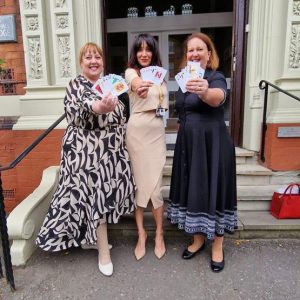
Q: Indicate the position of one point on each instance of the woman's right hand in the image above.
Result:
(105, 105)
(143, 88)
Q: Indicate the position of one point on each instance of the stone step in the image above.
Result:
(247, 174)
(243, 156)
(244, 193)
(251, 224)
(250, 198)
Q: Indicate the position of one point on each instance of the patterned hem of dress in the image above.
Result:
(203, 223)
(50, 239)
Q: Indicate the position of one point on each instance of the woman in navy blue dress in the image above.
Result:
(203, 184)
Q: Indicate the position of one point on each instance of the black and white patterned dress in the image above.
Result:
(95, 179)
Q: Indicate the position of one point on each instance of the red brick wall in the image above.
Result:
(13, 53)
(281, 154)
(26, 176)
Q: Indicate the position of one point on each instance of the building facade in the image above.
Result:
(256, 40)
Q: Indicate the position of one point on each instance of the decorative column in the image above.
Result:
(52, 40)
(48, 36)
(61, 15)
(35, 45)
(261, 22)
(273, 55)
(88, 26)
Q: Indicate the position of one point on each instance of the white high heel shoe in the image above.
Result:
(107, 269)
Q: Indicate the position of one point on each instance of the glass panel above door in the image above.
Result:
(122, 9)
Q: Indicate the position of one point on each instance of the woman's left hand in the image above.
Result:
(197, 86)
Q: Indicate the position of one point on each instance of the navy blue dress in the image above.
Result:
(203, 183)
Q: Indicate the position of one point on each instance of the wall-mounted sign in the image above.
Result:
(288, 131)
(8, 28)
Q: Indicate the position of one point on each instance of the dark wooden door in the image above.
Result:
(238, 70)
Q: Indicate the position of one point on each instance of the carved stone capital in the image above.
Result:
(296, 7)
(60, 3)
(32, 23)
(62, 21)
(30, 4)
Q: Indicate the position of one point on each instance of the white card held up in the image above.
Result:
(154, 74)
(181, 79)
(195, 70)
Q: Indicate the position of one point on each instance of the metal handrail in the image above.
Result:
(264, 85)
(3, 224)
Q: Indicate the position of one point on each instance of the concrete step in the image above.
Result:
(243, 156)
(247, 174)
(255, 198)
(250, 198)
(251, 224)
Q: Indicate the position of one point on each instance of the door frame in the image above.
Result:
(239, 46)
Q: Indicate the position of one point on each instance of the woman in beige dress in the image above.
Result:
(145, 139)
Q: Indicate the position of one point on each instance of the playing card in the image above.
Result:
(146, 73)
(154, 74)
(111, 83)
(182, 79)
(119, 85)
(195, 70)
(98, 89)
(158, 74)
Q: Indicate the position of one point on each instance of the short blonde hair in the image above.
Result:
(93, 47)
(213, 62)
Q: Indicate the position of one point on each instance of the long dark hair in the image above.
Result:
(136, 46)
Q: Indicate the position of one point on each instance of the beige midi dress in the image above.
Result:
(145, 140)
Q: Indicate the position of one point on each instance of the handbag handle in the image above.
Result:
(289, 188)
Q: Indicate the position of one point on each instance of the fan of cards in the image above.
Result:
(154, 74)
(112, 83)
(191, 71)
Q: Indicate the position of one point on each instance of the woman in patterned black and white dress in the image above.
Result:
(95, 185)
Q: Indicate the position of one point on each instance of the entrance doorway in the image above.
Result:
(214, 18)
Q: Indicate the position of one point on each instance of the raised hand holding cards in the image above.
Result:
(193, 70)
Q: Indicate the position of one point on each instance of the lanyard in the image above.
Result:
(161, 95)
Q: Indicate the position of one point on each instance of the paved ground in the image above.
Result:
(255, 269)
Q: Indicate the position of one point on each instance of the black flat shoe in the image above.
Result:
(217, 266)
(188, 254)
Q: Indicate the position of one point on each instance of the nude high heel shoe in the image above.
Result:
(140, 252)
(160, 253)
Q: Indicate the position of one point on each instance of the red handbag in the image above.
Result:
(286, 205)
